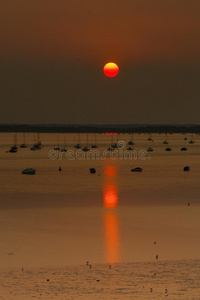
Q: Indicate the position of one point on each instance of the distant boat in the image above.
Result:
(117, 145)
(64, 146)
(137, 169)
(94, 146)
(150, 149)
(183, 149)
(36, 145)
(186, 168)
(165, 142)
(14, 148)
(29, 171)
(192, 139)
(130, 148)
(86, 148)
(57, 147)
(24, 145)
(78, 145)
(131, 142)
(63, 150)
(114, 145)
(110, 149)
(92, 170)
(168, 149)
(150, 139)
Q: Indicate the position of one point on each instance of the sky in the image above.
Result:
(52, 55)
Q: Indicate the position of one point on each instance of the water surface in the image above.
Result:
(60, 218)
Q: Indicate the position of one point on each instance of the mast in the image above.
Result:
(95, 139)
(64, 141)
(58, 140)
(24, 138)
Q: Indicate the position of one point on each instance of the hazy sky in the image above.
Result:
(52, 55)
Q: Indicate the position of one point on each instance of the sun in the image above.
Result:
(111, 69)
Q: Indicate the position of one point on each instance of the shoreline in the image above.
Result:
(96, 128)
(101, 265)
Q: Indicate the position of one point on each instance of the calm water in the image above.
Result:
(70, 217)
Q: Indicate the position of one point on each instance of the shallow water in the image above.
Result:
(65, 218)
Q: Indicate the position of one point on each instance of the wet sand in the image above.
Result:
(178, 279)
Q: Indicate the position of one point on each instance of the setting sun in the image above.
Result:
(111, 69)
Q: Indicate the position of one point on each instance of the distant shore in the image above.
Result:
(79, 128)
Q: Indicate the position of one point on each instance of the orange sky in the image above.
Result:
(98, 31)
(52, 54)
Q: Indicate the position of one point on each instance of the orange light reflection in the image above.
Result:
(110, 217)
(111, 237)
(110, 196)
(108, 133)
(110, 187)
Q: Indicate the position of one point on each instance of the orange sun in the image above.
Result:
(111, 69)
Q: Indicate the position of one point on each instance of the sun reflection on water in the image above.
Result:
(111, 222)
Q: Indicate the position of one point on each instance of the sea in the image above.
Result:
(71, 216)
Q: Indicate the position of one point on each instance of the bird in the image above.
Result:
(188, 203)
(90, 266)
(110, 267)
(154, 243)
(87, 263)
(60, 169)
(151, 290)
(166, 291)
(157, 256)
